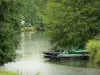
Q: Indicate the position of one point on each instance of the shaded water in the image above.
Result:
(32, 61)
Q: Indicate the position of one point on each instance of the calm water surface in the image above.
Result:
(32, 62)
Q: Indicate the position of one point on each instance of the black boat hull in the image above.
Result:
(55, 57)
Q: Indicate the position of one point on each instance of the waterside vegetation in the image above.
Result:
(94, 48)
(68, 23)
(3, 72)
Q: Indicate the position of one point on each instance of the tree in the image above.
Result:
(9, 29)
(29, 11)
(71, 23)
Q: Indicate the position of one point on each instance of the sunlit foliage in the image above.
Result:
(94, 48)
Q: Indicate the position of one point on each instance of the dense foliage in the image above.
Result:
(9, 29)
(94, 48)
(29, 12)
(40, 5)
(71, 23)
(13, 15)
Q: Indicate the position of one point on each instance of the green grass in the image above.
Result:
(28, 29)
(2, 72)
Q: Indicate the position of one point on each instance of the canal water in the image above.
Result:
(31, 60)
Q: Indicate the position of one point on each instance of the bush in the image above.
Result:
(97, 58)
(94, 48)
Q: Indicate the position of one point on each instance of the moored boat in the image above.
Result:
(73, 54)
(54, 53)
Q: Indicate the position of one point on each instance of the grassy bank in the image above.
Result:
(28, 29)
(2, 72)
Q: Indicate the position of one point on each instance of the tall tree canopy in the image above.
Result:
(71, 23)
(29, 11)
(9, 28)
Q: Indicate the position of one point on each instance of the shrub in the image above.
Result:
(97, 58)
(94, 48)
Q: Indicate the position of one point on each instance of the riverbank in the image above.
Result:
(32, 29)
(32, 61)
(2, 72)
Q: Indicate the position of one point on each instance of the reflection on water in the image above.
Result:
(75, 63)
(32, 61)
